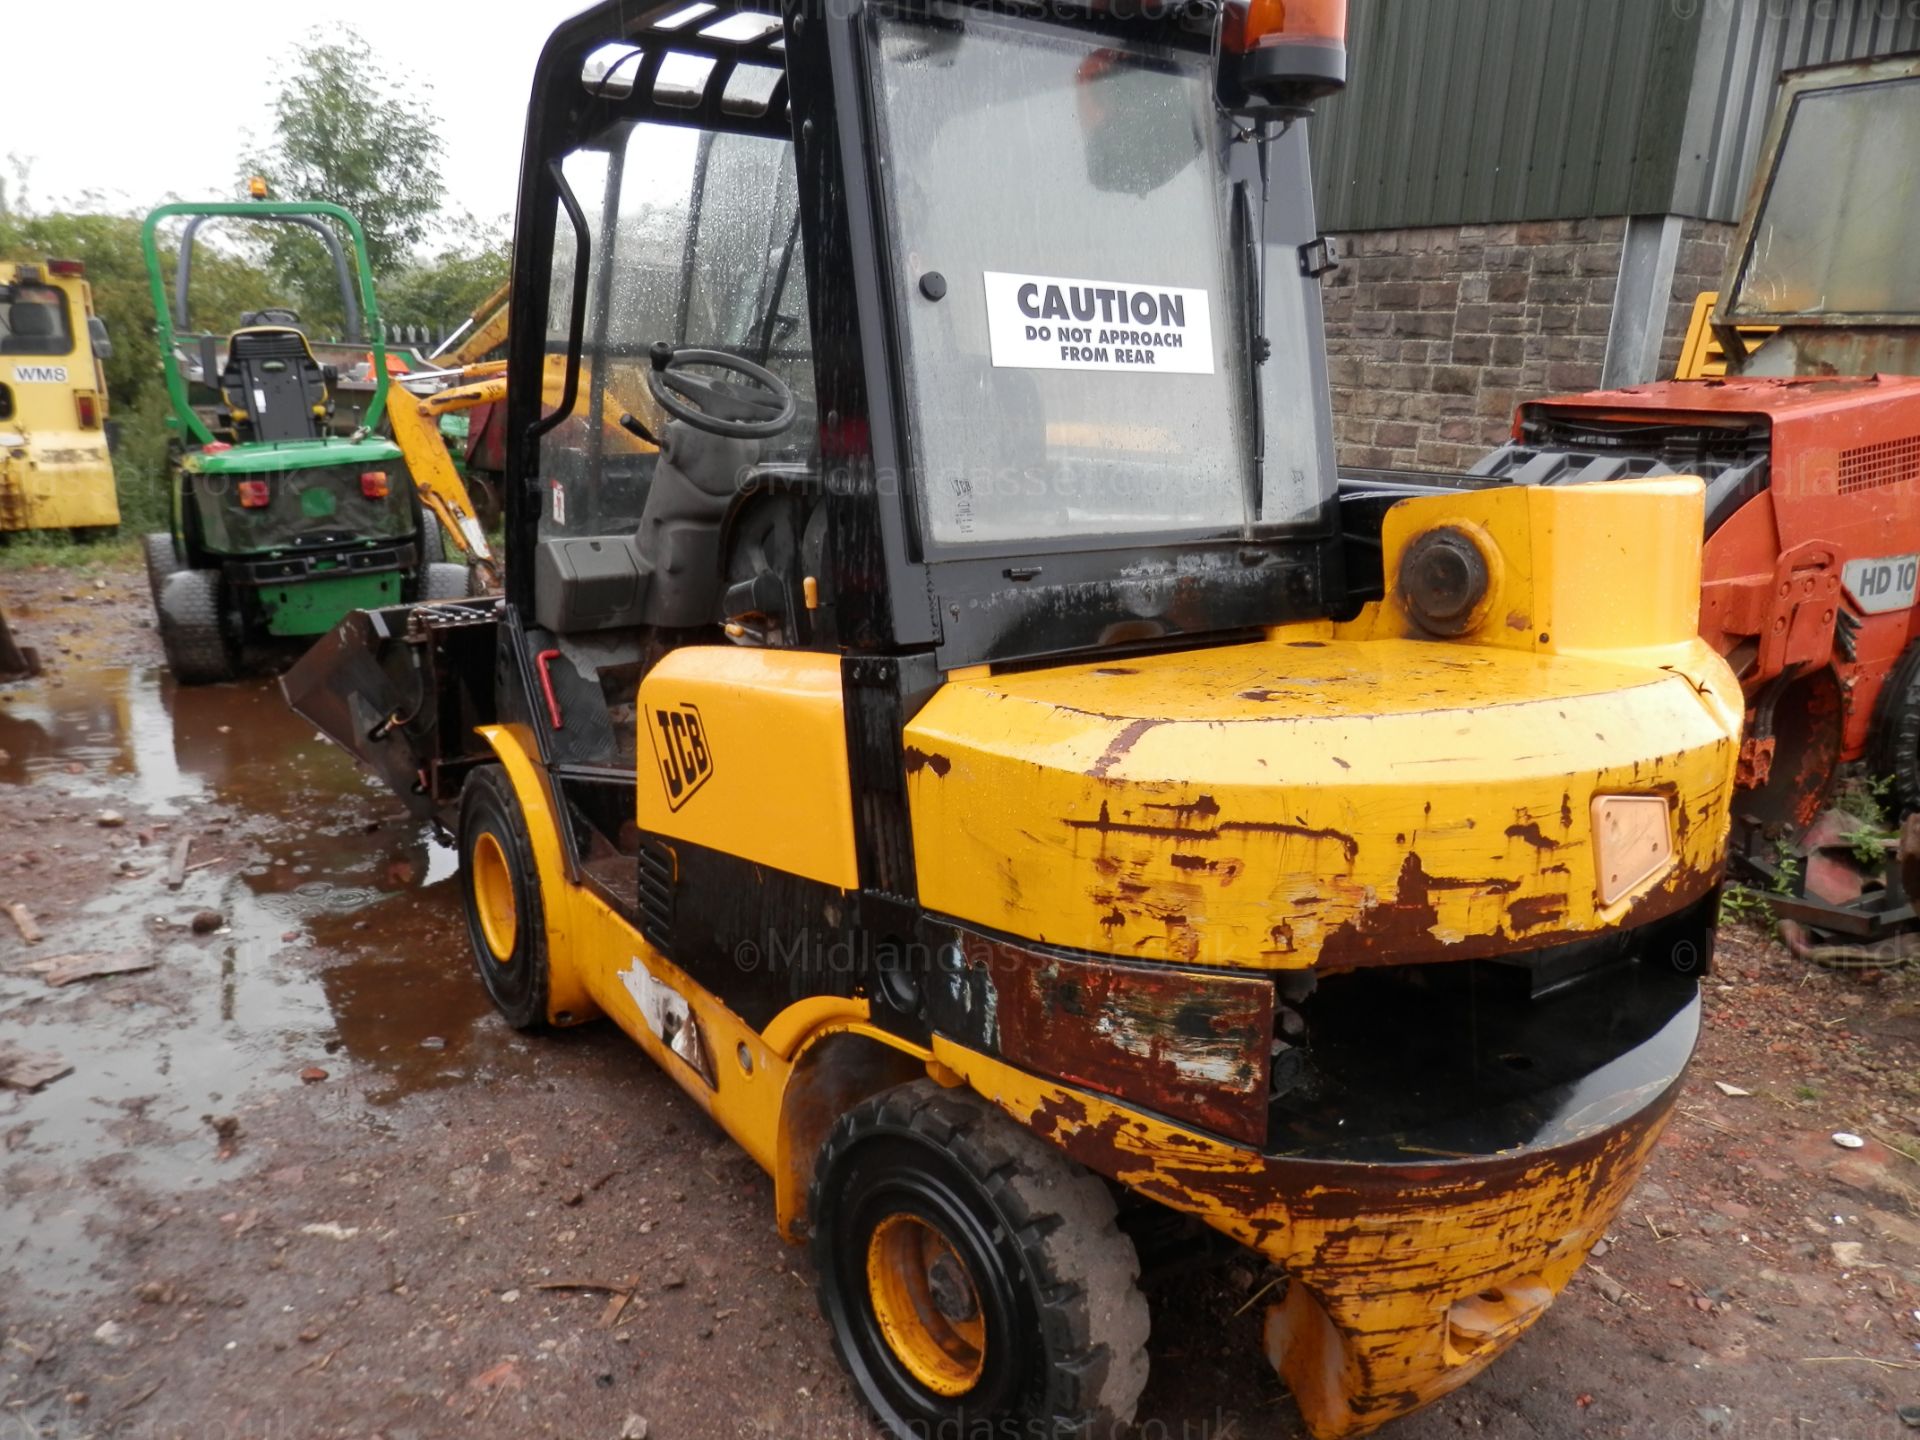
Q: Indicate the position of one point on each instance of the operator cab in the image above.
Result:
(900, 410)
(955, 437)
(1823, 262)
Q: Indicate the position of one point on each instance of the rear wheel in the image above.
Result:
(973, 1277)
(500, 888)
(161, 563)
(193, 630)
(446, 582)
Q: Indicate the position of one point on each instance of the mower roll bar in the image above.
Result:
(183, 271)
(308, 213)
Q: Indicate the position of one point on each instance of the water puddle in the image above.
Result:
(341, 947)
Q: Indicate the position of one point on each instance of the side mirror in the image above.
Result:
(102, 342)
(1276, 57)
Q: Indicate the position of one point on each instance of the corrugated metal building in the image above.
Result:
(1618, 135)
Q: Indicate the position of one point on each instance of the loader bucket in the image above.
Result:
(378, 685)
(17, 662)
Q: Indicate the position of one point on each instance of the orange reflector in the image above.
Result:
(373, 484)
(89, 411)
(254, 494)
(1274, 22)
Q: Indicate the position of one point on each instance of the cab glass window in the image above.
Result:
(1834, 232)
(1075, 349)
(696, 242)
(35, 322)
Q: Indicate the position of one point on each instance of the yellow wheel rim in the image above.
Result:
(927, 1304)
(493, 896)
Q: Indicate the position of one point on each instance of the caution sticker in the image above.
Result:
(1047, 322)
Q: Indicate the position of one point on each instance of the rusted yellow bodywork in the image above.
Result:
(1406, 1279)
(1331, 796)
(1341, 796)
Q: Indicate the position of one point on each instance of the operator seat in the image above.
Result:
(668, 573)
(273, 385)
(32, 325)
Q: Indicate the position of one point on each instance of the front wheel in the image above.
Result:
(500, 890)
(973, 1277)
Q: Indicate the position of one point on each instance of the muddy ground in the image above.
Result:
(301, 1183)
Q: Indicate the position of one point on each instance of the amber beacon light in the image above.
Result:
(1281, 55)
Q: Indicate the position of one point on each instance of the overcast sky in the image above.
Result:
(161, 108)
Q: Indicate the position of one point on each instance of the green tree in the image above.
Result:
(345, 131)
(440, 291)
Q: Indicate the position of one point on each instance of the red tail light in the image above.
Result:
(254, 494)
(89, 411)
(373, 484)
(70, 269)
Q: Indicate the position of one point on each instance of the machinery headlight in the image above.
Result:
(1444, 577)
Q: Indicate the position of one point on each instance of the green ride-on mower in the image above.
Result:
(284, 519)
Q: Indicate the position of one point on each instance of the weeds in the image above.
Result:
(1867, 846)
(1786, 869)
(1738, 902)
(1868, 799)
(32, 550)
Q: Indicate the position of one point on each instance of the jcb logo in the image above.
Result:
(680, 745)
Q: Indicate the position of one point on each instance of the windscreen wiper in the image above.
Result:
(1251, 251)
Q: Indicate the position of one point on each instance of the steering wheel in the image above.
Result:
(720, 407)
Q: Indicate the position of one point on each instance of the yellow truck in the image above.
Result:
(55, 472)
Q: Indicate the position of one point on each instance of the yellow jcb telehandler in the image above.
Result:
(927, 714)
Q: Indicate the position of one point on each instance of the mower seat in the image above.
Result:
(272, 383)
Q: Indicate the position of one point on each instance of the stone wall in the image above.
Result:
(1434, 335)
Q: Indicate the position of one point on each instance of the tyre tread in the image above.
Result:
(191, 630)
(1064, 1222)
